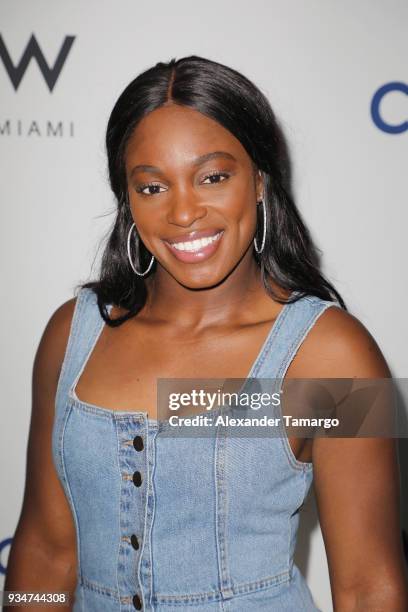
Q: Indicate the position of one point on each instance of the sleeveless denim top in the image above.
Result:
(193, 523)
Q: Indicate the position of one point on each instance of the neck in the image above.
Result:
(170, 300)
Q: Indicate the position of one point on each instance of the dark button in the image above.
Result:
(136, 602)
(137, 479)
(134, 541)
(138, 443)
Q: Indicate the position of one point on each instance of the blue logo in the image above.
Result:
(3, 545)
(375, 108)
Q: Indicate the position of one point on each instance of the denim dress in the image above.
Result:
(196, 523)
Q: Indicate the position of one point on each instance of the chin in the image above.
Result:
(200, 281)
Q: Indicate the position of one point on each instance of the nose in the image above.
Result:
(185, 208)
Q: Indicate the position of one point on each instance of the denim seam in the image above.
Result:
(145, 533)
(119, 510)
(215, 465)
(265, 350)
(72, 336)
(152, 444)
(290, 354)
(302, 497)
(221, 513)
(153, 447)
(99, 588)
(289, 540)
(68, 488)
(106, 413)
(297, 341)
(242, 588)
(299, 504)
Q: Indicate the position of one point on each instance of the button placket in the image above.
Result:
(145, 560)
(138, 445)
(132, 461)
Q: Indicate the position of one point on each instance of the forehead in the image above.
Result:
(175, 132)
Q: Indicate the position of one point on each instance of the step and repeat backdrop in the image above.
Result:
(336, 74)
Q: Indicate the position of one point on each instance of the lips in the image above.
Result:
(195, 235)
(196, 246)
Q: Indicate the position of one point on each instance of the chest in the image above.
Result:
(122, 370)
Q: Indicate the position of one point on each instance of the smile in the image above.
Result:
(196, 245)
(199, 249)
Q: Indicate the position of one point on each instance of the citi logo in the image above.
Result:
(380, 122)
(4, 544)
(33, 51)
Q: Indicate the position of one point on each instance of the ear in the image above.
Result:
(259, 185)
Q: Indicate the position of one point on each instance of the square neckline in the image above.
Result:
(101, 410)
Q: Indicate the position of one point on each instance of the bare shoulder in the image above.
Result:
(54, 339)
(339, 345)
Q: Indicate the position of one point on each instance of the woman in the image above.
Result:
(208, 272)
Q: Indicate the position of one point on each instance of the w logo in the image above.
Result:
(33, 50)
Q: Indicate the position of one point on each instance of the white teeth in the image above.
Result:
(196, 245)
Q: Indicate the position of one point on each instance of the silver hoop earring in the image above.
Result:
(130, 257)
(264, 230)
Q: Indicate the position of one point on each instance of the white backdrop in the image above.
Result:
(320, 63)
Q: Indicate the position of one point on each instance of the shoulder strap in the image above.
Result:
(86, 325)
(299, 318)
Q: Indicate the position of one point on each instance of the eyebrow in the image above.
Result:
(196, 162)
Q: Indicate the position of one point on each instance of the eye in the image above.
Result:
(216, 175)
(151, 186)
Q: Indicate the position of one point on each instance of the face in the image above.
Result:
(193, 193)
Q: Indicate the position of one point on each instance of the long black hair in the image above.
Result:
(289, 256)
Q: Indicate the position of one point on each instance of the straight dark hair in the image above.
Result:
(289, 256)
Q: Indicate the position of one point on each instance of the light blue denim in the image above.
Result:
(214, 519)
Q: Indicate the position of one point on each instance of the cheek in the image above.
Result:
(145, 220)
(147, 214)
(242, 212)
(242, 201)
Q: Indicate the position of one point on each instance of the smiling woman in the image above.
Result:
(209, 271)
(188, 197)
(196, 245)
(185, 137)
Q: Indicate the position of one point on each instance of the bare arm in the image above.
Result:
(43, 551)
(357, 485)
